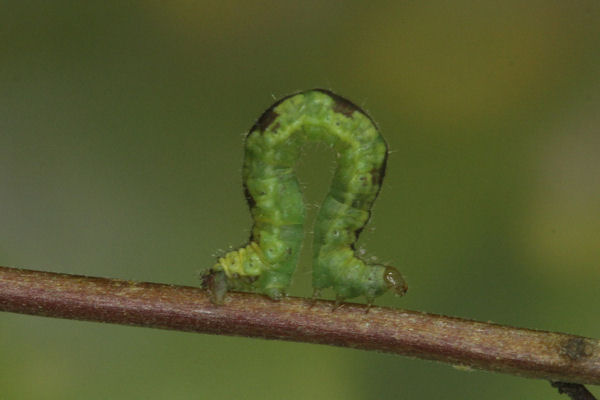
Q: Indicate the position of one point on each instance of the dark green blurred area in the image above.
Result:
(121, 143)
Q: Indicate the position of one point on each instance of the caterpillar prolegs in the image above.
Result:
(266, 264)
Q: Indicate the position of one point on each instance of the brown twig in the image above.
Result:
(524, 352)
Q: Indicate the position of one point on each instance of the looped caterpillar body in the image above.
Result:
(266, 264)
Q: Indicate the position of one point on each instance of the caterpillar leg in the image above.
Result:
(275, 293)
(264, 267)
(316, 294)
(237, 270)
(339, 302)
(216, 284)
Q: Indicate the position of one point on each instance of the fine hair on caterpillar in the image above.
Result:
(272, 147)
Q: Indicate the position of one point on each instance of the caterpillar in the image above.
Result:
(266, 264)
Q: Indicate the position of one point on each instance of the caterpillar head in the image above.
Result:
(394, 281)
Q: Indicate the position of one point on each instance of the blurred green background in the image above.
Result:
(121, 143)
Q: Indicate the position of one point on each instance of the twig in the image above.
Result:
(524, 352)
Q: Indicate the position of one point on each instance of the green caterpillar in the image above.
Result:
(266, 264)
